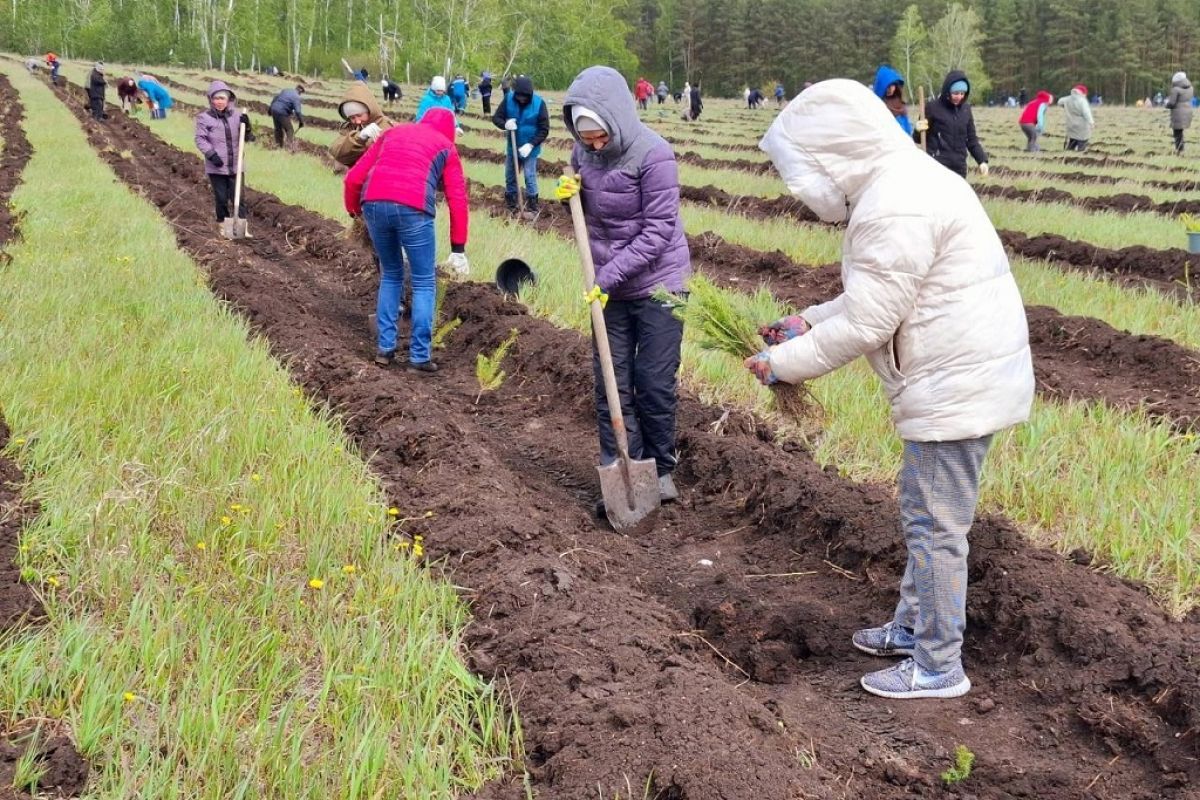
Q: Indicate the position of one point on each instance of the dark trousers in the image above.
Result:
(645, 339)
(97, 104)
(1178, 132)
(487, 103)
(1077, 144)
(283, 129)
(223, 187)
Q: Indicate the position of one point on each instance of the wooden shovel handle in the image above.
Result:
(921, 114)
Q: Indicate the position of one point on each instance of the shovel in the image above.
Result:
(235, 227)
(629, 486)
(921, 115)
(512, 136)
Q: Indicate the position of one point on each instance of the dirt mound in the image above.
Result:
(64, 770)
(1073, 177)
(1123, 203)
(709, 652)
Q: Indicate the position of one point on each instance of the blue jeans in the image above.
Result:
(939, 488)
(397, 230)
(529, 168)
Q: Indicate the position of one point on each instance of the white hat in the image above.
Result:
(584, 119)
(1179, 77)
(438, 84)
(352, 107)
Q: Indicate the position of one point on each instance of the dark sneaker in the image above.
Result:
(907, 681)
(385, 359)
(889, 640)
(667, 493)
(423, 366)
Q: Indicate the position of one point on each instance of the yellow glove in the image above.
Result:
(922, 125)
(594, 295)
(567, 187)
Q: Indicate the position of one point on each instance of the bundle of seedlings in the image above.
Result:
(726, 323)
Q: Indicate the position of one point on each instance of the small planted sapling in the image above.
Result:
(487, 368)
(960, 770)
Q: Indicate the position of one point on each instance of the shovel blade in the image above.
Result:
(627, 504)
(239, 229)
(227, 228)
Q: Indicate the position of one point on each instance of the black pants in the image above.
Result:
(645, 339)
(283, 129)
(223, 187)
(97, 104)
(487, 103)
(1178, 132)
(1077, 144)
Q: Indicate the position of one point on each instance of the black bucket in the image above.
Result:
(512, 274)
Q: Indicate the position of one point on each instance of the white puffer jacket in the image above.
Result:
(928, 295)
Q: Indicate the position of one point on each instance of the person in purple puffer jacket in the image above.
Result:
(629, 185)
(217, 139)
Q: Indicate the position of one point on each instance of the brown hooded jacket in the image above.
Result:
(348, 148)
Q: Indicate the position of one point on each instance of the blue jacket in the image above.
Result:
(885, 76)
(458, 89)
(157, 93)
(533, 122)
(287, 103)
(431, 100)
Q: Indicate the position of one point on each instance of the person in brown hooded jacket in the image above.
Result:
(364, 122)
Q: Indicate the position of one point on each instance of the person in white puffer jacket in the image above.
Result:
(930, 300)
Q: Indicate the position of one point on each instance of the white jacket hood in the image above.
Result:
(928, 296)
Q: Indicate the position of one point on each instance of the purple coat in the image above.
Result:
(217, 132)
(630, 193)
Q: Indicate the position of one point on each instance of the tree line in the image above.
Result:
(1123, 49)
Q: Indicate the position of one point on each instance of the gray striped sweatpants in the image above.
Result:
(939, 489)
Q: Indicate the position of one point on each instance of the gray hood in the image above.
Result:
(603, 90)
(1180, 79)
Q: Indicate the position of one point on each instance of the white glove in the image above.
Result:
(524, 150)
(510, 124)
(922, 125)
(458, 264)
(983, 169)
(369, 132)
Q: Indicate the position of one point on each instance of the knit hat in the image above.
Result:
(959, 86)
(352, 107)
(1079, 87)
(438, 84)
(584, 119)
(1179, 77)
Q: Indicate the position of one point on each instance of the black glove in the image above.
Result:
(299, 123)
(215, 159)
(245, 122)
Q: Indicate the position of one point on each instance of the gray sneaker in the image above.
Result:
(889, 640)
(907, 681)
(667, 493)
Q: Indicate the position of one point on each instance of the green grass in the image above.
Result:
(189, 494)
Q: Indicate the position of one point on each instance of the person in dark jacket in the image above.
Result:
(485, 92)
(127, 92)
(391, 91)
(951, 126)
(525, 112)
(628, 182)
(695, 104)
(283, 107)
(1181, 105)
(95, 90)
(780, 95)
(889, 87)
(755, 98)
(217, 139)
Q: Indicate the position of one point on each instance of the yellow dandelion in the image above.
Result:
(418, 550)
(393, 512)
(418, 538)
(296, 392)
(235, 507)
(316, 583)
(19, 440)
(52, 581)
(130, 697)
(402, 545)
(226, 520)
(201, 545)
(254, 476)
(349, 569)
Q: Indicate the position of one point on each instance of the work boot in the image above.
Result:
(667, 493)
(531, 203)
(510, 201)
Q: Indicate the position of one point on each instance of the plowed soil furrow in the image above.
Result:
(1074, 357)
(631, 656)
(65, 771)
(1120, 203)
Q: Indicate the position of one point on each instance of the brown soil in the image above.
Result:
(65, 770)
(630, 658)
(1072, 177)
(1121, 203)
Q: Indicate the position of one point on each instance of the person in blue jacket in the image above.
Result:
(889, 87)
(524, 112)
(459, 89)
(160, 98)
(435, 97)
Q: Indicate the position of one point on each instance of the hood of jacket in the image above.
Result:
(523, 88)
(441, 120)
(953, 77)
(832, 140)
(885, 76)
(213, 88)
(1180, 79)
(360, 93)
(603, 91)
(1043, 97)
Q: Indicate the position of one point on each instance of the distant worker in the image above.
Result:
(662, 92)
(642, 92)
(391, 91)
(364, 121)
(459, 91)
(31, 65)
(217, 140)
(696, 104)
(746, 97)
(1180, 103)
(950, 126)
(96, 88)
(54, 64)
(1079, 118)
(686, 96)
(435, 97)
(485, 92)
(283, 107)
(780, 95)
(127, 93)
(524, 112)
(1033, 120)
(889, 87)
(157, 95)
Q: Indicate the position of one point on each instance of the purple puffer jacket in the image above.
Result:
(217, 131)
(630, 193)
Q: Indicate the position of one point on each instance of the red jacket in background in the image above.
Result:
(643, 90)
(407, 164)
(1029, 116)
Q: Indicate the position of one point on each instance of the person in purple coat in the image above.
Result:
(217, 140)
(628, 182)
